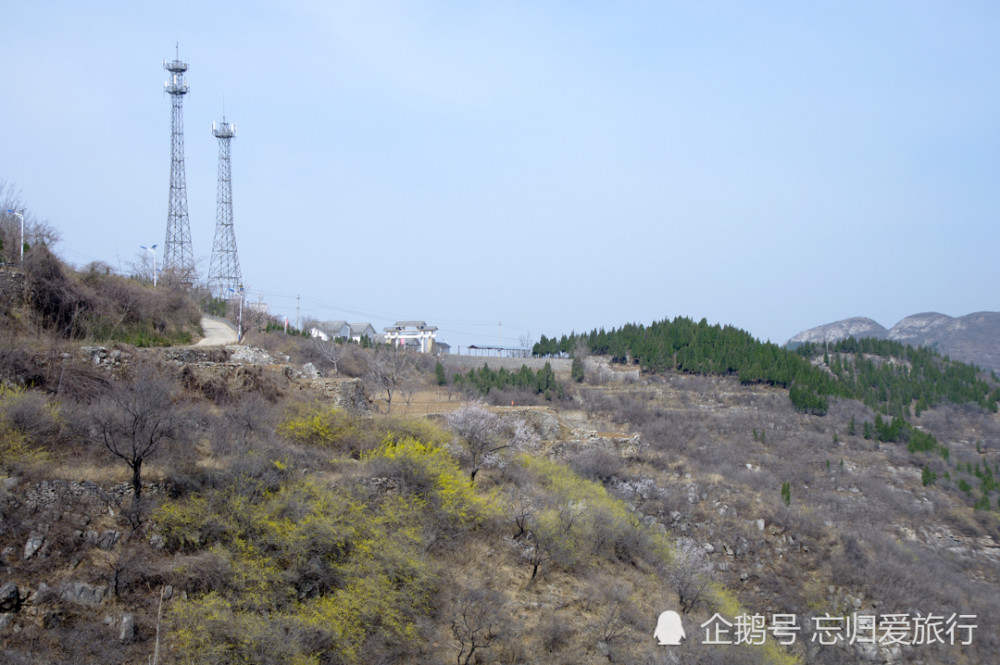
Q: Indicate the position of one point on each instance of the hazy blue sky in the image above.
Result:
(550, 165)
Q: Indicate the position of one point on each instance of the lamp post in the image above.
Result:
(239, 324)
(21, 215)
(152, 248)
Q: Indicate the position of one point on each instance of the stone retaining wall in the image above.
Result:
(11, 287)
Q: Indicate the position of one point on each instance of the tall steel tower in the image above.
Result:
(224, 270)
(178, 256)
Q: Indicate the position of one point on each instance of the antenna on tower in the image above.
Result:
(178, 255)
(224, 270)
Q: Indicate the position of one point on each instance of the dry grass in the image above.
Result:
(84, 470)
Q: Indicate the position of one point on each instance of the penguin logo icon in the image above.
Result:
(669, 630)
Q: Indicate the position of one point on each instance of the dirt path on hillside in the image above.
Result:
(217, 332)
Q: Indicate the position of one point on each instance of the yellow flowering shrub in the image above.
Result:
(314, 568)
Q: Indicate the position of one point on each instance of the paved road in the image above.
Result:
(217, 333)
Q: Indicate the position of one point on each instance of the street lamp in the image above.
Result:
(239, 325)
(152, 248)
(21, 215)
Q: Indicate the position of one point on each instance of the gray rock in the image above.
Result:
(41, 595)
(35, 542)
(108, 539)
(5, 620)
(10, 597)
(83, 593)
(127, 632)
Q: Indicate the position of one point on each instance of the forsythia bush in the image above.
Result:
(320, 426)
(313, 571)
(340, 430)
(440, 479)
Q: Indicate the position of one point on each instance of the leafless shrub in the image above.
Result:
(689, 575)
(614, 610)
(249, 422)
(57, 299)
(485, 436)
(596, 463)
(30, 413)
(477, 620)
(331, 352)
(354, 363)
(555, 631)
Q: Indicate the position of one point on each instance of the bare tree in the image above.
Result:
(614, 612)
(521, 512)
(477, 621)
(485, 434)
(331, 350)
(143, 267)
(526, 342)
(36, 233)
(389, 368)
(10, 224)
(689, 574)
(409, 387)
(136, 420)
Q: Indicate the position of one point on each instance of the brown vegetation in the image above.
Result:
(279, 528)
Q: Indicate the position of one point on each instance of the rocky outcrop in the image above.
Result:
(916, 329)
(342, 393)
(624, 446)
(973, 338)
(545, 424)
(82, 593)
(856, 327)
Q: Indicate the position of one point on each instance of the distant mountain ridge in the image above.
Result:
(973, 338)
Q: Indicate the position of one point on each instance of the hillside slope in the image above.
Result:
(973, 338)
(285, 530)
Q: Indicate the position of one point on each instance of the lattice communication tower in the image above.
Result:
(224, 278)
(178, 255)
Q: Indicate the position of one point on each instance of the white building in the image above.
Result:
(330, 330)
(359, 330)
(406, 333)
